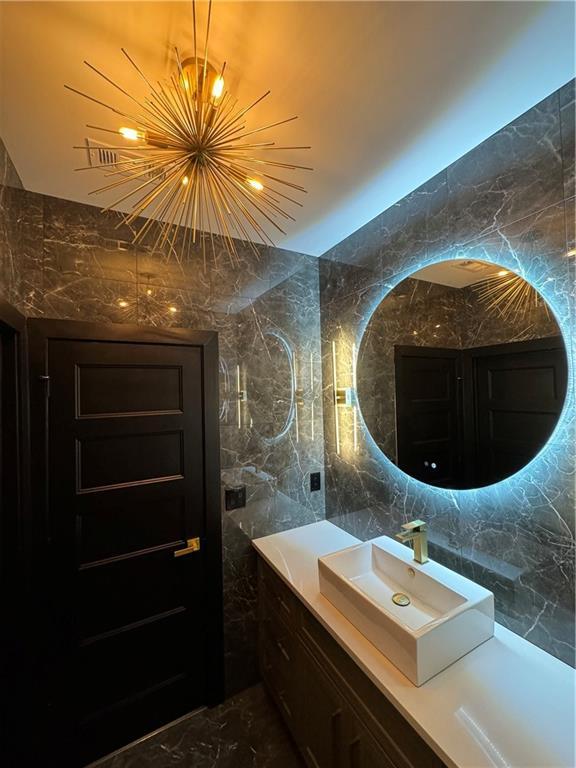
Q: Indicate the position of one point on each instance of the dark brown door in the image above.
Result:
(130, 506)
(428, 405)
(520, 390)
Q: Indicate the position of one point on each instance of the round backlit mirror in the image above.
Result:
(461, 374)
(270, 387)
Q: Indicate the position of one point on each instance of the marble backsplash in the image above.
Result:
(60, 259)
(509, 201)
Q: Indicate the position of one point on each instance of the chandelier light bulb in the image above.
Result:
(255, 184)
(130, 133)
(218, 87)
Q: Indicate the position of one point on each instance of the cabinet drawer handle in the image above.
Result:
(335, 723)
(312, 757)
(354, 753)
(283, 650)
(284, 704)
(283, 603)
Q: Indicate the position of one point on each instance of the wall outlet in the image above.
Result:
(235, 498)
(315, 481)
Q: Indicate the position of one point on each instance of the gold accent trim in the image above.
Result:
(192, 545)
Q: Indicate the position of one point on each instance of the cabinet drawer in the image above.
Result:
(279, 596)
(281, 689)
(404, 747)
(279, 641)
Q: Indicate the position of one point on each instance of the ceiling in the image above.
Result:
(458, 273)
(387, 93)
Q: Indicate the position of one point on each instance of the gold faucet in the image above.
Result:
(417, 533)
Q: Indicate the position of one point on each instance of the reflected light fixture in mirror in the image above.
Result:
(461, 374)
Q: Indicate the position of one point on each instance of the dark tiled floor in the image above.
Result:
(244, 732)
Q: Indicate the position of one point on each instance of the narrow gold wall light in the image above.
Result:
(354, 390)
(240, 397)
(335, 389)
(312, 395)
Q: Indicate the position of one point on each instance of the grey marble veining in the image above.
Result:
(506, 202)
(9, 176)
(66, 260)
(420, 313)
(244, 732)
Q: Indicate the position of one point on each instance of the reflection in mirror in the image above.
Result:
(270, 385)
(224, 382)
(461, 374)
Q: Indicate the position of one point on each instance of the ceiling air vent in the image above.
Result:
(476, 267)
(100, 154)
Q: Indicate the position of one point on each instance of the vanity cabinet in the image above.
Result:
(337, 716)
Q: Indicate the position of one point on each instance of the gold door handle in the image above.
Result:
(192, 545)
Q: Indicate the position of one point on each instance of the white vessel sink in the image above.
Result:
(447, 615)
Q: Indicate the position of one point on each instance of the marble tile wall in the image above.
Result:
(8, 174)
(509, 201)
(60, 259)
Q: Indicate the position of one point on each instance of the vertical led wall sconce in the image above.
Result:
(344, 397)
(312, 396)
(298, 399)
(354, 405)
(240, 397)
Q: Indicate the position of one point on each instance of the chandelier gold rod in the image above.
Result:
(247, 195)
(213, 110)
(151, 115)
(217, 205)
(167, 215)
(164, 209)
(171, 107)
(184, 210)
(283, 181)
(226, 182)
(137, 120)
(237, 218)
(276, 191)
(186, 99)
(149, 84)
(278, 164)
(171, 117)
(213, 136)
(260, 232)
(137, 174)
(187, 195)
(144, 203)
(231, 209)
(267, 146)
(152, 220)
(264, 196)
(222, 118)
(263, 128)
(149, 198)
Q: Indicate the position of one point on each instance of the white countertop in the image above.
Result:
(507, 704)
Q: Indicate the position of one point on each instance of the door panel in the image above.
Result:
(123, 390)
(520, 392)
(126, 468)
(429, 433)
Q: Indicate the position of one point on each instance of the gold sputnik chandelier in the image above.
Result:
(508, 295)
(191, 165)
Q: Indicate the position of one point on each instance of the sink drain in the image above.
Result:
(400, 599)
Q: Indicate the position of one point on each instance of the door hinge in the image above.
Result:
(46, 381)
